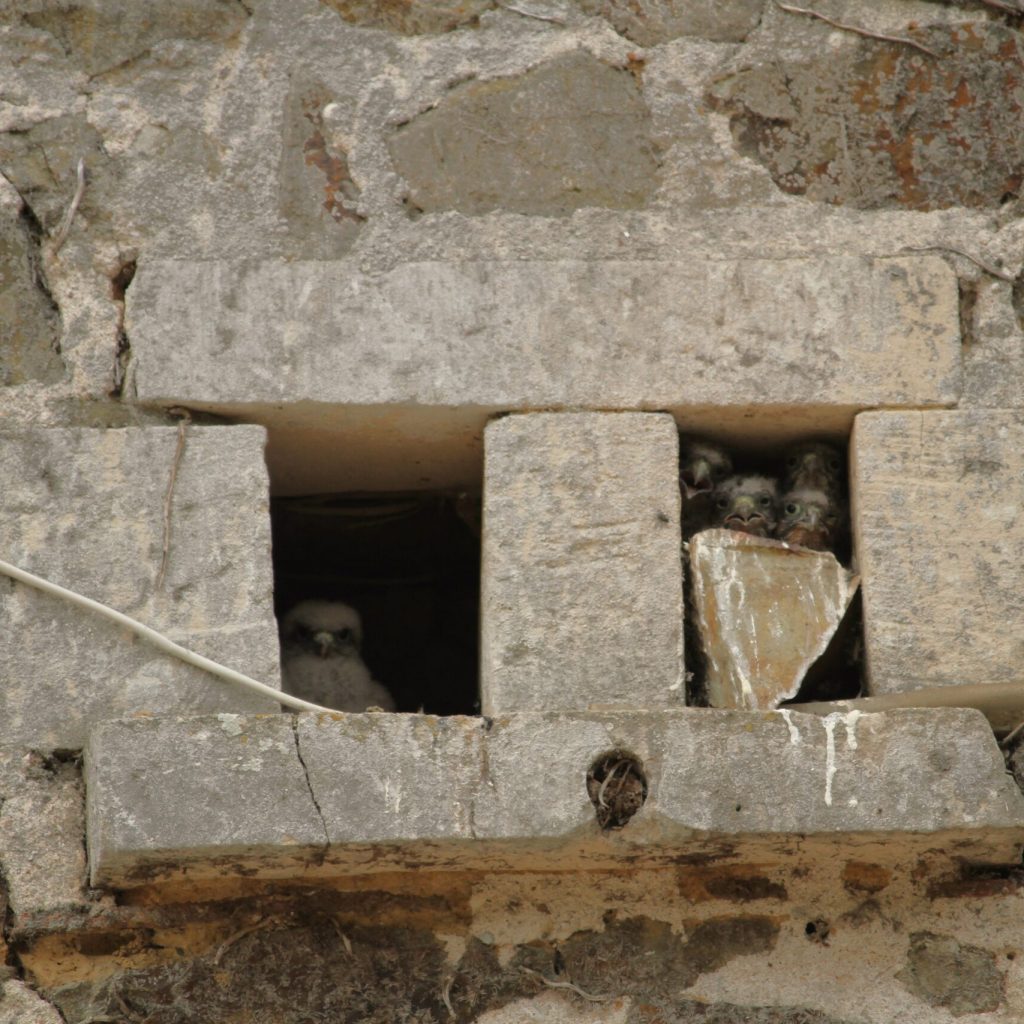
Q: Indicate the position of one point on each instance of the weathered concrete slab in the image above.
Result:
(581, 591)
(85, 509)
(404, 792)
(171, 794)
(938, 499)
(842, 331)
(765, 613)
(387, 777)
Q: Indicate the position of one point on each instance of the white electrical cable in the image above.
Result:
(159, 641)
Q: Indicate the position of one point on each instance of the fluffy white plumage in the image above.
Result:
(320, 659)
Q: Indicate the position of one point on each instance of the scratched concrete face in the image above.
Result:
(881, 124)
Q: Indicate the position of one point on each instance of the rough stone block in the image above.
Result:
(581, 600)
(765, 613)
(940, 543)
(574, 132)
(29, 321)
(650, 22)
(42, 824)
(20, 1005)
(85, 509)
(221, 790)
(840, 332)
(397, 793)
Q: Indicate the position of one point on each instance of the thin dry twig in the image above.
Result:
(987, 267)
(855, 28)
(1004, 743)
(65, 225)
(263, 922)
(554, 19)
(183, 422)
(1000, 6)
(446, 995)
(608, 778)
(590, 997)
(345, 940)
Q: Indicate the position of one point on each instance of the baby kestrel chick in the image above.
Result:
(320, 659)
(813, 464)
(812, 518)
(748, 503)
(702, 465)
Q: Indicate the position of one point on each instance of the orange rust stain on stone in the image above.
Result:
(863, 876)
(962, 97)
(336, 174)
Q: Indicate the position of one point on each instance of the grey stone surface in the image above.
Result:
(85, 509)
(940, 541)
(765, 613)
(42, 834)
(581, 591)
(404, 792)
(571, 133)
(29, 322)
(532, 333)
(225, 791)
(20, 1005)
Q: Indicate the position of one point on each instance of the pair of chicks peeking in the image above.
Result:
(803, 505)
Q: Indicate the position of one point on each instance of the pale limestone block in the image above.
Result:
(939, 529)
(42, 824)
(827, 332)
(218, 792)
(85, 509)
(582, 592)
(765, 612)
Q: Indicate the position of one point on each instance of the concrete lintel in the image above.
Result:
(398, 792)
(535, 333)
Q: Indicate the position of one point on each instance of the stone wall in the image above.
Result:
(499, 246)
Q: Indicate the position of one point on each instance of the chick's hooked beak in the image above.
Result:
(324, 641)
(697, 478)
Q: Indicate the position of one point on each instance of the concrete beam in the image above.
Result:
(402, 792)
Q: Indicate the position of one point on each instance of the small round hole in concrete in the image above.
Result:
(617, 787)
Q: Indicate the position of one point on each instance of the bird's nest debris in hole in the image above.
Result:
(617, 788)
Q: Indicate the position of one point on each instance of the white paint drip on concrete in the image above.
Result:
(831, 721)
(794, 732)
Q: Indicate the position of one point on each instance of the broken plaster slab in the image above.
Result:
(226, 795)
(765, 611)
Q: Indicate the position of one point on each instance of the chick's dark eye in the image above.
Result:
(791, 509)
(765, 500)
(722, 503)
(343, 635)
